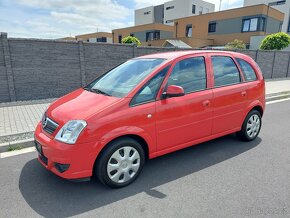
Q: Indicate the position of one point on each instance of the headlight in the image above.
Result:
(70, 132)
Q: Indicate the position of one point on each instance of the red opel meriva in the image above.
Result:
(147, 107)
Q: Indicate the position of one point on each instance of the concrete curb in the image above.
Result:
(23, 143)
(30, 142)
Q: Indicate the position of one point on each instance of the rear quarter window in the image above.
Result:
(247, 69)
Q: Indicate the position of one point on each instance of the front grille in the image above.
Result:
(48, 125)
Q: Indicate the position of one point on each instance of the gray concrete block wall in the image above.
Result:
(99, 58)
(3, 78)
(37, 69)
(251, 53)
(281, 64)
(265, 61)
(44, 69)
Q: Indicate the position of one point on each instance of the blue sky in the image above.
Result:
(59, 18)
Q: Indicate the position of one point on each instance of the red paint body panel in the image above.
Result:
(166, 125)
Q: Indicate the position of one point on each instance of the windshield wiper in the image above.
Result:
(98, 91)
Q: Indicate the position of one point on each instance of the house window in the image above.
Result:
(169, 21)
(200, 10)
(211, 27)
(157, 35)
(253, 24)
(288, 30)
(193, 9)
(147, 12)
(120, 38)
(188, 31)
(102, 39)
(154, 35)
(169, 8)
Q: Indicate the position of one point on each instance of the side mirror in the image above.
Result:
(174, 91)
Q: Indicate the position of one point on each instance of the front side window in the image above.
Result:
(124, 78)
(148, 92)
(190, 74)
(188, 31)
(225, 71)
(247, 69)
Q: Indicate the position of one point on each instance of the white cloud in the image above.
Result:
(77, 17)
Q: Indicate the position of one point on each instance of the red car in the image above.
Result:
(147, 107)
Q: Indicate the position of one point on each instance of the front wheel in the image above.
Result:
(120, 163)
(251, 126)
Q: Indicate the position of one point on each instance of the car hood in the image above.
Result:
(79, 105)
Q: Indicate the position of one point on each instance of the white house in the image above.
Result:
(169, 11)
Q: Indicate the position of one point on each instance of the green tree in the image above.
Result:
(277, 41)
(236, 44)
(131, 40)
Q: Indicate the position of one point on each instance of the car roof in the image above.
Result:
(177, 54)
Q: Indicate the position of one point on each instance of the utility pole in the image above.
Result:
(220, 5)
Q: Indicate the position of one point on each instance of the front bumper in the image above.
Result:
(67, 161)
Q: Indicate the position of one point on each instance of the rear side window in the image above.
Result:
(190, 74)
(225, 71)
(149, 91)
(247, 69)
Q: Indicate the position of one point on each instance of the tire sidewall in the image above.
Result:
(244, 129)
(106, 155)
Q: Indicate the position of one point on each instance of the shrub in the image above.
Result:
(131, 40)
(277, 41)
(236, 44)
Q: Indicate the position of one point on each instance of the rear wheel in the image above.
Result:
(120, 163)
(251, 126)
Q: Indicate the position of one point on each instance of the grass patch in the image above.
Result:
(14, 148)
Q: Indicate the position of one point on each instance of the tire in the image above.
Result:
(120, 163)
(251, 126)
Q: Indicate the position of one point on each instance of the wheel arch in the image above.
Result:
(136, 137)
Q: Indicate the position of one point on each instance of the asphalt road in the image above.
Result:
(221, 178)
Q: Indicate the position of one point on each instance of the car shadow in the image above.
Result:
(51, 196)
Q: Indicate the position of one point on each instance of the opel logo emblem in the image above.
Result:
(44, 123)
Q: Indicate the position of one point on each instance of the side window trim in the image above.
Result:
(131, 104)
(237, 66)
(191, 57)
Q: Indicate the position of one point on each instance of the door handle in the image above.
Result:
(206, 103)
(244, 93)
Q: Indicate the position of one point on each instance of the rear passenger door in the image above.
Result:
(229, 94)
(180, 120)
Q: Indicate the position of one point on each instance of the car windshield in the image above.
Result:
(119, 81)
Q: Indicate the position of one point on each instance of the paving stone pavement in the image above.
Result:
(20, 119)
